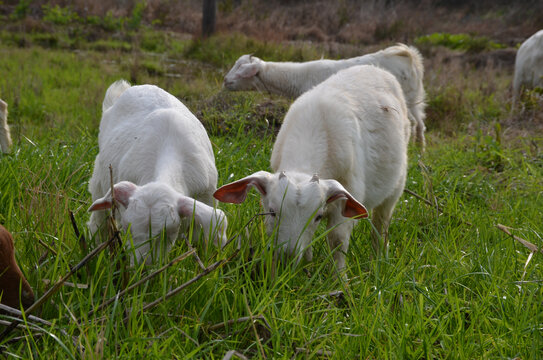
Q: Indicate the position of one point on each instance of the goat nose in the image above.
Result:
(227, 83)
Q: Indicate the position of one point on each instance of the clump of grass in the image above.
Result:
(59, 15)
(465, 42)
(108, 45)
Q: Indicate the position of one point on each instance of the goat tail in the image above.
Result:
(113, 92)
(413, 54)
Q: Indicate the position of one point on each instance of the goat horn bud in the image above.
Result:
(282, 175)
(315, 178)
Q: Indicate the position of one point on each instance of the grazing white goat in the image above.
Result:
(5, 137)
(162, 161)
(529, 65)
(352, 130)
(14, 289)
(293, 79)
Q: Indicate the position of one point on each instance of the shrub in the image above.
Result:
(463, 42)
(58, 15)
(21, 10)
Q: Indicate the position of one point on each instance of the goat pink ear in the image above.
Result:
(248, 70)
(123, 192)
(102, 204)
(352, 208)
(236, 192)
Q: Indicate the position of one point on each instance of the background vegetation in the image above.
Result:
(452, 285)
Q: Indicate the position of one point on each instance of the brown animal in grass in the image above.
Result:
(14, 289)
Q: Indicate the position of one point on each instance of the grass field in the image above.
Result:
(452, 285)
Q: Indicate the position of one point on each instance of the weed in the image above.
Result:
(110, 22)
(136, 17)
(21, 9)
(58, 15)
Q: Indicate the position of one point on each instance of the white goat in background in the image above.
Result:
(293, 79)
(528, 65)
(162, 161)
(5, 137)
(352, 130)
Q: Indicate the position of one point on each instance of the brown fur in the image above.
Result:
(11, 278)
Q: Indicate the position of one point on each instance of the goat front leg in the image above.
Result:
(339, 237)
(380, 218)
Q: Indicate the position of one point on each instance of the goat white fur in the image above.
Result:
(5, 137)
(162, 161)
(293, 79)
(352, 130)
(528, 65)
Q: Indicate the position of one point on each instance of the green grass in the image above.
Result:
(452, 286)
(466, 42)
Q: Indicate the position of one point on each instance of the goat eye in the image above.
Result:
(271, 212)
(318, 218)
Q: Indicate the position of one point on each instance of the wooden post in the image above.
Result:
(208, 17)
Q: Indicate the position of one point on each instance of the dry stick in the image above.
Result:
(173, 292)
(231, 353)
(257, 336)
(195, 254)
(16, 312)
(57, 286)
(320, 352)
(428, 202)
(48, 282)
(138, 283)
(19, 326)
(19, 338)
(49, 248)
(81, 239)
(528, 244)
(230, 322)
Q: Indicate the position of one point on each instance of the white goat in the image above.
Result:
(529, 65)
(5, 137)
(162, 161)
(352, 130)
(293, 79)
